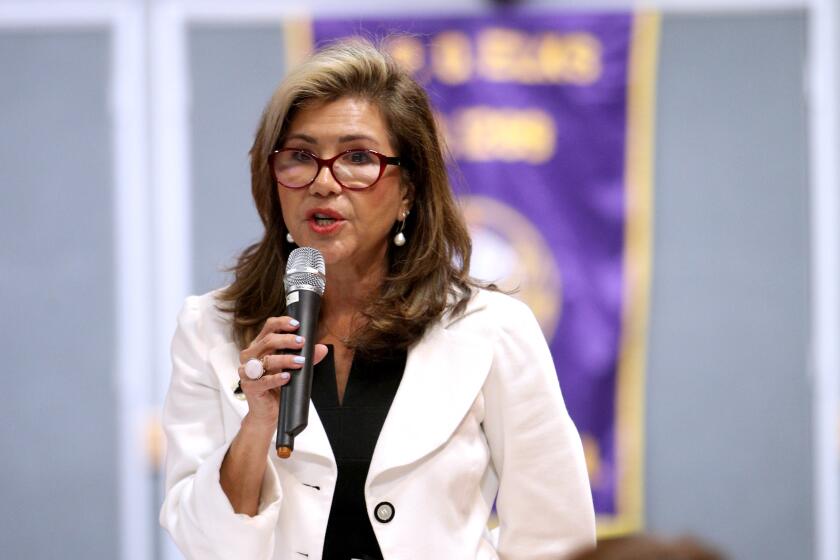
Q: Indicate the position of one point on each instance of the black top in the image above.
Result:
(353, 428)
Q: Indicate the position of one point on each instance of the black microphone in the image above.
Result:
(304, 282)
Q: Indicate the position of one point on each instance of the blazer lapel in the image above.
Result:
(225, 361)
(224, 358)
(443, 374)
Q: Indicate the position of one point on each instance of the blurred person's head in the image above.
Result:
(643, 547)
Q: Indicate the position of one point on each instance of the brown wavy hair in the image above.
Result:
(426, 277)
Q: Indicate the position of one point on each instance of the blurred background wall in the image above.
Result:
(110, 109)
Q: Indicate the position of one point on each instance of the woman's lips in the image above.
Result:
(324, 220)
(324, 226)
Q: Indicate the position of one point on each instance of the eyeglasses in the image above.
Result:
(352, 169)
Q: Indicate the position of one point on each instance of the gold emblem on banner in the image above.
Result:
(511, 252)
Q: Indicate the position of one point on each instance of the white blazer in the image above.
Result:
(478, 415)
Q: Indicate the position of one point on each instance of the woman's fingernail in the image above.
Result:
(299, 359)
(285, 376)
(298, 339)
(294, 322)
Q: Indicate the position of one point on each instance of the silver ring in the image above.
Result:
(254, 368)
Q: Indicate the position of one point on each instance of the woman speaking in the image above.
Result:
(433, 397)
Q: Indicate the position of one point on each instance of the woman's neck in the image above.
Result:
(349, 288)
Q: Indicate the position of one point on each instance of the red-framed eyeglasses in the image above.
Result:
(294, 168)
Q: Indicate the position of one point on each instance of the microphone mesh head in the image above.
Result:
(305, 269)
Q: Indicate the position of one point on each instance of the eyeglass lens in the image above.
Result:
(357, 169)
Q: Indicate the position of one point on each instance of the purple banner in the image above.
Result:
(534, 109)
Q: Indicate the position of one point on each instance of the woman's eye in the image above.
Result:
(301, 156)
(360, 157)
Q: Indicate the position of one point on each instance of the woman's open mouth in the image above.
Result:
(324, 220)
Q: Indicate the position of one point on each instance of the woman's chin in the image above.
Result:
(332, 252)
(338, 252)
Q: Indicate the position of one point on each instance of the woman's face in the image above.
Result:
(360, 221)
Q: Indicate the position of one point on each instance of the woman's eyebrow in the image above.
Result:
(353, 137)
(305, 137)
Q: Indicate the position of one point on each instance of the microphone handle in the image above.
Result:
(296, 394)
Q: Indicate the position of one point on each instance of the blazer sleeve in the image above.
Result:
(544, 503)
(196, 511)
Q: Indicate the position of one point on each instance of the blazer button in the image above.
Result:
(384, 512)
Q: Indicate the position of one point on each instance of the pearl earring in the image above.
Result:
(289, 237)
(399, 239)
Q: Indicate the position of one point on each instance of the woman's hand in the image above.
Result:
(244, 464)
(263, 394)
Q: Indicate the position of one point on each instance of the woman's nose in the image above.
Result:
(324, 183)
